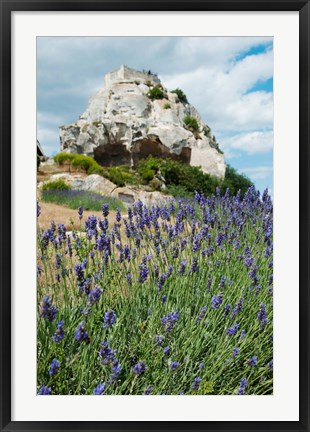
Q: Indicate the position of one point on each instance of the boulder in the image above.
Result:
(93, 182)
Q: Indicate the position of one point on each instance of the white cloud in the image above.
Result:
(222, 96)
(257, 173)
(252, 143)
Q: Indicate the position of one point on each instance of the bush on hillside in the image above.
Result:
(181, 95)
(62, 157)
(235, 181)
(59, 184)
(191, 123)
(156, 93)
(183, 179)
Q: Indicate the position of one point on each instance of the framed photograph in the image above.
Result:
(154, 215)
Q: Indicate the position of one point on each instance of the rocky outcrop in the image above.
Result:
(124, 122)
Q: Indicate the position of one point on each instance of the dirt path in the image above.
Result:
(60, 214)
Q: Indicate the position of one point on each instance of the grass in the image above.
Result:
(183, 303)
(76, 198)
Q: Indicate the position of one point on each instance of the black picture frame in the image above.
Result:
(6, 8)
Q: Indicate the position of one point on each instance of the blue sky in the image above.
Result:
(228, 79)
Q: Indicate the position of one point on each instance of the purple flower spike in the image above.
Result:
(109, 319)
(99, 389)
(139, 368)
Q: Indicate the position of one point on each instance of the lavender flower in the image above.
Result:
(202, 313)
(79, 271)
(261, 316)
(144, 272)
(116, 370)
(174, 365)
(227, 309)
(238, 308)
(109, 319)
(182, 267)
(59, 333)
(252, 361)
(243, 385)
(170, 321)
(235, 352)
(159, 339)
(195, 265)
(217, 301)
(105, 210)
(99, 389)
(54, 367)
(80, 212)
(139, 368)
(48, 310)
(147, 391)
(231, 331)
(196, 383)
(166, 350)
(118, 215)
(106, 354)
(94, 295)
(223, 280)
(44, 391)
(81, 333)
(270, 365)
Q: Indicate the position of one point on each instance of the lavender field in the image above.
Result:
(168, 300)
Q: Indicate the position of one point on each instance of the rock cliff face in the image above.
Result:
(134, 116)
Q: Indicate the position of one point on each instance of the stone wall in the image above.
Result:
(125, 73)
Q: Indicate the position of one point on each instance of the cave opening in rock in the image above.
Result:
(151, 147)
(112, 155)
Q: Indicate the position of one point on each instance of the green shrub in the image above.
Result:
(167, 105)
(62, 157)
(181, 95)
(235, 181)
(156, 93)
(191, 123)
(84, 162)
(179, 191)
(151, 162)
(59, 184)
(97, 169)
(147, 175)
(116, 176)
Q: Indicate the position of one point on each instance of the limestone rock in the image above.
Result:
(122, 124)
(93, 182)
